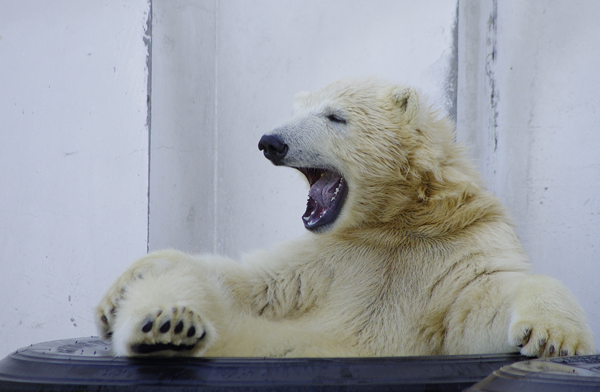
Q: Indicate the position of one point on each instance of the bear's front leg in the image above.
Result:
(547, 321)
(157, 307)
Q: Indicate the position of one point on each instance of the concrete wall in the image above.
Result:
(93, 177)
(183, 148)
(73, 161)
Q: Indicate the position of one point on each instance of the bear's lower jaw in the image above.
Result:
(327, 193)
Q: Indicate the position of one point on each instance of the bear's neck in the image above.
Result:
(404, 215)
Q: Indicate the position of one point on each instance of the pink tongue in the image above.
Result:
(323, 190)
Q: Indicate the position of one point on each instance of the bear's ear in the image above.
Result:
(408, 101)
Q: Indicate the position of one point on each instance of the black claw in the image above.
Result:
(191, 332)
(178, 327)
(104, 319)
(165, 327)
(203, 335)
(551, 350)
(147, 327)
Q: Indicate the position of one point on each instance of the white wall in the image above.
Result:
(530, 112)
(183, 155)
(73, 161)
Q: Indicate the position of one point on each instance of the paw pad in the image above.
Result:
(178, 327)
(191, 332)
(165, 327)
(147, 326)
(178, 330)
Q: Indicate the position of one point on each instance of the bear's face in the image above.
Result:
(352, 140)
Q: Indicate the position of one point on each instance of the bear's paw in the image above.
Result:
(537, 340)
(177, 330)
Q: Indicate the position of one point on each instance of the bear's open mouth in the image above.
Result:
(325, 198)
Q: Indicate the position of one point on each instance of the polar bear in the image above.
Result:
(405, 254)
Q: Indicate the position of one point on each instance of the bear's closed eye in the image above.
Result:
(336, 119)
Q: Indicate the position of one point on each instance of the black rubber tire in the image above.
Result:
(575, 374)
(85, 364)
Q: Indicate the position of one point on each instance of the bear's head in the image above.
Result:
(372, 153)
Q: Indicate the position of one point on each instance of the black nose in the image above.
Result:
(273, 148)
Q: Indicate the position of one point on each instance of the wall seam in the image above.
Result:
(216, 130)
(494, 96)
(490, 71)
(451, 82)
(148, 42)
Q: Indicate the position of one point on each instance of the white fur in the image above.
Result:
(421, 261)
